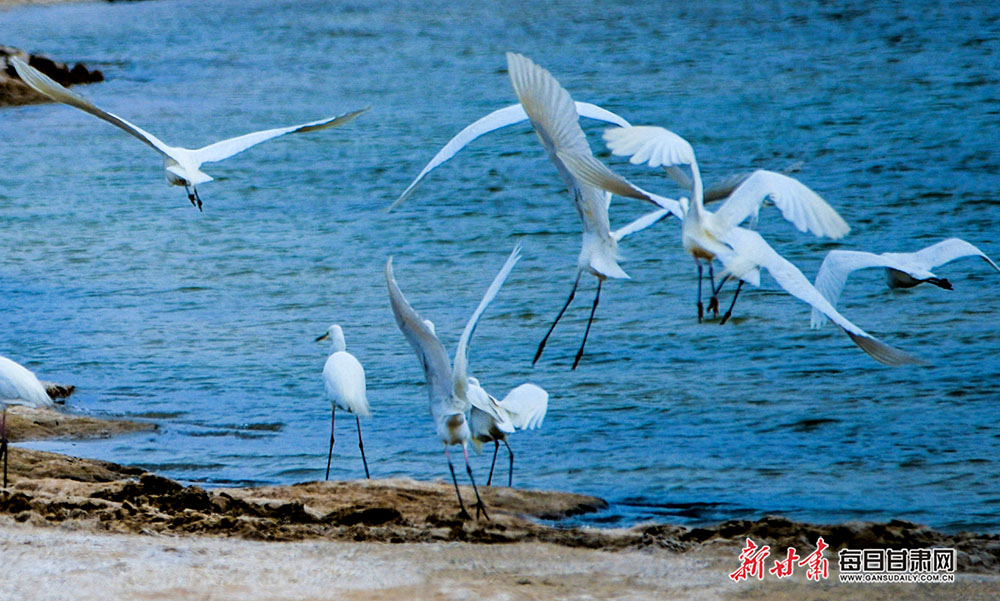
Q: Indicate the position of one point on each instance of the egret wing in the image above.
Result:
(496, 120)
(19, 386)
(526, 405)
(748, 245)
(45, 85)
(798, 204)
(430, 351)
(947, 251)
(344, 381)
(833, 272)
(227, 148)
(639, 224)
(461, 353)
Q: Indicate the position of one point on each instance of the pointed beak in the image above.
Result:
(324, 336)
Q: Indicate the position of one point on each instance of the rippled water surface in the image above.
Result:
(204, 322)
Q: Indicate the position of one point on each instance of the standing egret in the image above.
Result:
(491, 420)
(902, 270)
(746, 252)
(18, 386)
(702, 230)
(183, 165)
(447, 384)
(344, 381)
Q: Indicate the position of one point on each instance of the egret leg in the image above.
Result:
(464, 514)
(701, 308)
(722, 283)
(496, 448)
(572, 293)
(197, 197)
(586, 332)
(333, 419)
(729, 312)
(713, 303)
(510, 474)
(361, 445)
(480, 506)
(3, 443)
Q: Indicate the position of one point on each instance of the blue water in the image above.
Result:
(204, 322)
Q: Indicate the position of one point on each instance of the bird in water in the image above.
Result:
(344, 382)
(182, 165)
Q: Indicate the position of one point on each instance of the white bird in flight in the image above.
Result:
(746, 252)
(18, 386)
(491, 420)
(447, 384)
(182, 165)
(344, 381)
(555, 118)
(902, 270)
(702, 230)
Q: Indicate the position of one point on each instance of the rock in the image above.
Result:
(15, 92)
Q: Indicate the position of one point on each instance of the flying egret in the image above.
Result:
(491, 420)
(183, 165)
(556, 122)
(447, 384)
(555, 118)
(344, 381)
(18, 386)
(702, 229)
(746, 252)
(902, 270)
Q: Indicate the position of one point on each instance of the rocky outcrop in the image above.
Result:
(14, 92)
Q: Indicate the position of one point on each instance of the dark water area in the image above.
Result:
(204, 322)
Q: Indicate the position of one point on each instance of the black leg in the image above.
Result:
(729, 313)
(333, 419)
(722, 283)
(197, 197)
(541, 346)
(713, 303)
(480, 506)
(701, 308)
(361, 445)
(496, 448)
(464, 514)
(3, 443)
(586, 332)
(510, 474)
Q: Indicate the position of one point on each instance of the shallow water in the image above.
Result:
(204, 322)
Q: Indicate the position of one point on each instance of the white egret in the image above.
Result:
(746, 252)
(491, 420)
(555, 118)
(702, 230)
(902, 270)
(183, 165)
(344, 381)
(556, 122)
(18, 386)
(447, 384)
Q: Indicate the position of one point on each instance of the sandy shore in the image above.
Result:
(105, 531)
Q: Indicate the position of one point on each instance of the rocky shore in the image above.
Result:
(15, 92)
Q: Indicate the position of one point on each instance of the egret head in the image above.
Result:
(336, 334)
